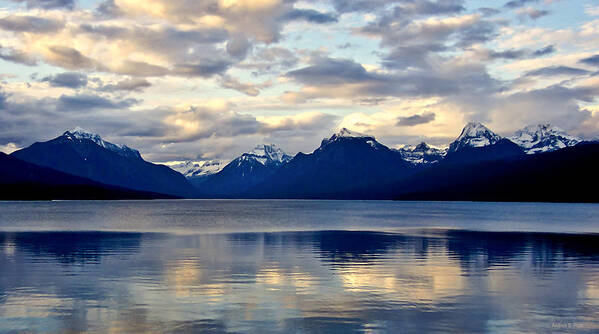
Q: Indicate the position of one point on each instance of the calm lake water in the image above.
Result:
(298, 267)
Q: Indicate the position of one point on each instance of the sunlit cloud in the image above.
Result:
(148, 73)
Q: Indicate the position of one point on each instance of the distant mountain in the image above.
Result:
(87, 155)
(244, 172)
(344, 164)
(20, 180)
(477, 143)
(191, 169)
(422, 154)
(474, 135)
(565, 175)
(197, 172)
(543, 138)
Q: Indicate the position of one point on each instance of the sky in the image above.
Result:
(210, 79)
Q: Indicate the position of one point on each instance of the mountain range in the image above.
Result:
(80, 153)
(478, 165)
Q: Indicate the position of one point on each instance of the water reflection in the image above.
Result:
(328, 281)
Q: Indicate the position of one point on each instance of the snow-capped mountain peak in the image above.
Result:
(271, 152)
(474, 134)
(422, 153)
(191, 169)
(543, 138)
(79, 134)
(345, 132)
(266, 154)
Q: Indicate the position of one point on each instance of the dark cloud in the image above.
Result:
(448, 79)
(463, 31)
(70, 58)
(592, 60)
(426, 7)
(16, 56)
(330, 71)
(533, 13)
(135, 84)
(403, 7)
(85, 102)
(170, 40)
(205, 68)
(309, 15)
(346, 6)
(416, 119)
(549, 49)
(238, 47)
(30, 24)
(487, 11)
(48, 4)
(518, 3)
(108, 9)
(507, 54)
(556, 71)
(480, 31)
(415, 56)
(67, 79)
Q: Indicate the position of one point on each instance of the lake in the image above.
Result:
(231, 266)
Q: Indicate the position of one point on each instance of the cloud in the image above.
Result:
(140, 68)
(248, 89)
(507, 54)
(406, 7)
(16, 56)
(30, 24)
(135, 84)
(87, 101)
(330, 77)
(518, 3)
(327, 71)
(532, 13)
(201, 122)
(8, 148)
(300, 122)
(416, 119)
(205, 68)
(487, 11)
(238, 46)
(467, 29)
(70, 58)
(48, 4)
(592, 60)
(556, 71)
(309, 15)
(555, 104)
(591, 10)
(415, 56)
(67, 79)
(549, 49)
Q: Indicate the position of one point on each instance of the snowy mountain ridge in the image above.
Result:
(80, 134)
(543, 138)
(191, 169)
(422, 153)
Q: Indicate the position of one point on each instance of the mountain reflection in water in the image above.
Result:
(327, 281)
